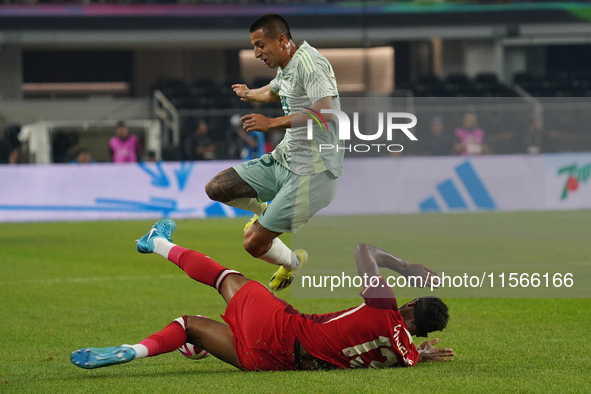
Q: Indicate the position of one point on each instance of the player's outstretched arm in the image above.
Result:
(261, 95)
(428, 352)
(370, 258)
(257, 122)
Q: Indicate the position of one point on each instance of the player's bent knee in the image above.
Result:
(250, 248)
(191, 322)
(213, 191)
(195, 324)
(182, 321)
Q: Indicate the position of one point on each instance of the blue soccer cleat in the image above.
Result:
(90, 358)
(162, 229)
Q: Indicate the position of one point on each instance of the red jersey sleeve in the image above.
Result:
(378, 294)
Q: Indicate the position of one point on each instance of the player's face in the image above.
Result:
(269, 50)
(407, 312)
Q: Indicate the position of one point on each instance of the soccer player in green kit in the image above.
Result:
(299, 177)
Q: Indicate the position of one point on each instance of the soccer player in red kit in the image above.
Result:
(265, 333)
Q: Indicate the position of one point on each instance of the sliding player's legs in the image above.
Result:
(214, 337)
(249, 313)
(210, 335)
(195, 264)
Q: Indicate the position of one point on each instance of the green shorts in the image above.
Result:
(296, 198)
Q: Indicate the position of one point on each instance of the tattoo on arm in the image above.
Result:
(227, 185)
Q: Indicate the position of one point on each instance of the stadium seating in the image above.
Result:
(460, 85)
(504, 127)
(556, 84)
(215, 103)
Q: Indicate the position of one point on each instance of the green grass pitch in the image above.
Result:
(70, 285)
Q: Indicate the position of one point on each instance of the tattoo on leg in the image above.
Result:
(227, 185)
(257, 227)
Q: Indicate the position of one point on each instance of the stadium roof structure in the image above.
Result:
(336, 14)
(20, 23)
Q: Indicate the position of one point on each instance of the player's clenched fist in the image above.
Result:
(241, 91)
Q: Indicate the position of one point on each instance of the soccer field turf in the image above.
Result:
(68, 285)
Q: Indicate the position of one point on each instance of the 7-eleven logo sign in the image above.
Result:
(576, 176)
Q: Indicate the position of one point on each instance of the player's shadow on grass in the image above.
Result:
(149, 373)
(161, 374)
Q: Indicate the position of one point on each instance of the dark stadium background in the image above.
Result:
(53, 54)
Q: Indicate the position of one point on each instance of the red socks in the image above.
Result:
(200, 267)
(170, 338)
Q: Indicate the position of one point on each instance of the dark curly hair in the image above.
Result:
(431, 314)
(272, 25)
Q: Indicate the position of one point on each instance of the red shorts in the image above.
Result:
(263, 337)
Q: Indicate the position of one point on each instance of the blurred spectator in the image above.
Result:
(533, 138)
(562, 141)
(124, 147)
(10, 145)
(200, 145)
(435, 142)
(83, 157)
(470, 137)
(253, 143)
(151, 156)
(61, 144)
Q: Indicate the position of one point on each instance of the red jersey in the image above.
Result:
(373, 335)
(265, 327)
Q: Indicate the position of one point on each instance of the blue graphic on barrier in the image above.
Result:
(452, 197)
(163, 205)
(215, 210)
(429, 205)
(241, 212)
(155, 204)
(183, 174)
(475, 187)
(158, 179)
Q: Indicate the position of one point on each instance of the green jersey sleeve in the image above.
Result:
(275, 85)
(319, 81)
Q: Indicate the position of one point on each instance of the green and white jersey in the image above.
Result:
(307, 78)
